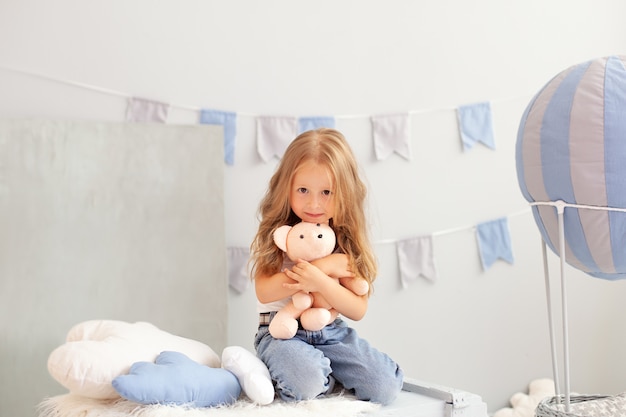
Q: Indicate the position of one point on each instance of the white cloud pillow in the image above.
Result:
(97, 351)
(251, 372)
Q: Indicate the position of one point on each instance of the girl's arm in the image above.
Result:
(335, 265)
(308, 277)
(271, 287)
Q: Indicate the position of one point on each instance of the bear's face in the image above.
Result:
(308, 241)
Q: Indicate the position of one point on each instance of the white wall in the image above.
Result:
(480, 331)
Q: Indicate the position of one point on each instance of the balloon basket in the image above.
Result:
(583, 406)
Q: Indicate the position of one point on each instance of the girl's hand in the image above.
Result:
(307, 277)
(283, 284)
(336, 265)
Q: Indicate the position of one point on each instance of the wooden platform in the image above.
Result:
(417, 399)
(421, 399)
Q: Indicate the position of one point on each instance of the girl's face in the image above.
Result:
(311, 196)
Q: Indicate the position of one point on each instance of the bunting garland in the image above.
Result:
(390, 133)
(416, 256)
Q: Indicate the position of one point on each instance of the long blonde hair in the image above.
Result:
(329, 148)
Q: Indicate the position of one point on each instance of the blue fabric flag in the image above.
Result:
(229, 121)
(494, 241)
(476, 125)
(310, 123)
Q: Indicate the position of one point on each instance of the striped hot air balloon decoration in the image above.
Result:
(571, 148)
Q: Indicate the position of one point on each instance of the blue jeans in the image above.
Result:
(301, 367)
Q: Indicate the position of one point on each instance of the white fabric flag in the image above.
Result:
(274, 134)
(238, 274)
(415, 258)
(143, 110)
(392, 133)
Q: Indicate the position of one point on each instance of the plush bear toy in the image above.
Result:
(308, 241)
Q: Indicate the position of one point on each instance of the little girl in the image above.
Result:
(317, 181)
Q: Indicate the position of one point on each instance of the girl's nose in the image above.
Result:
(315, 201)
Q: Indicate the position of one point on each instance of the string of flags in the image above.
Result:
(416, 255)
(391, 133)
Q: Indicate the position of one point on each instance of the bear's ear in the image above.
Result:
(280, 237)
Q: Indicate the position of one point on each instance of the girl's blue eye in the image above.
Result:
(302, 190)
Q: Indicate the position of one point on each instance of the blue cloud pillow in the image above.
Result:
(175, 379)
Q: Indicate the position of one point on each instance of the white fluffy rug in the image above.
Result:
(340, 405)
